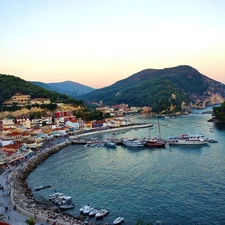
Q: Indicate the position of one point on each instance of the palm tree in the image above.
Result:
(30, 221)
(2, 217)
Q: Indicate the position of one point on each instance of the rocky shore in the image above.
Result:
(22, 197)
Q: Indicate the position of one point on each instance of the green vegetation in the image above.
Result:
(93, 115)
(219, 112)
(10, 85)
(30, 221)
(163, 90)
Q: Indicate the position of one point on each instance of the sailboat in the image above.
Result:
(157, 142)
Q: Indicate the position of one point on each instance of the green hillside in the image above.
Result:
(9, 85)
(158, 88)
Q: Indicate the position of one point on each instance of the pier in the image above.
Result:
(77, 140)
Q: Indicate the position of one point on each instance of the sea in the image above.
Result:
(172, 185)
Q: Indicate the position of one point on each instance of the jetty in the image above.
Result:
(77, 140)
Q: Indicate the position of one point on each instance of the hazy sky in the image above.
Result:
(98, 42)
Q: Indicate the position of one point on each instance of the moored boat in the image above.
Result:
(101, 213)
(67, 206)
(93, 211)
(110, 144)
(133, 143)
(86, 207)
(42, 187)
(155, 142)
(186, 139)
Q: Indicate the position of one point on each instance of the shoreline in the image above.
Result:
(20, 195)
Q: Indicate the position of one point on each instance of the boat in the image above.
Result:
(84, 208)
(55, 194)
(87, 211)
(118, 220)
(42, 187)
(101, 213)
(133, 143)
(62, 200)
(67, 206)
(186, 139)
(212, 140)
(155, 141)
(93, 211)
(52, 198)
(110, 144)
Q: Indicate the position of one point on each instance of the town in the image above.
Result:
(20, 135)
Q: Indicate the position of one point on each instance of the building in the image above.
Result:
(40, 101)
(20, 99)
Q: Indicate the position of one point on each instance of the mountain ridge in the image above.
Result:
(69, 88)
(180, 86)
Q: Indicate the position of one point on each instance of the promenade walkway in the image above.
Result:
(14, 217)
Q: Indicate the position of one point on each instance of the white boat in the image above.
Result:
(67, 206)
(93, 211)
(86, 207)
(186, 139)
(110, 144)
(54, 196)
(212, 140)
(133, 143)
(118, 220)
(62, 200)
(87, 211)
(101, 213)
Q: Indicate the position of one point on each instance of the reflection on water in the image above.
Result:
(176, 184)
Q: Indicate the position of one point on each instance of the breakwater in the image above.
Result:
(22, 197)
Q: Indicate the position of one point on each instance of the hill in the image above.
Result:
(10, 85)
(163, 89)
(69, 88)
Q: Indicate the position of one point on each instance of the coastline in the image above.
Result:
(19, 198)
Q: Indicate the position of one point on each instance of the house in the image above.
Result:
(73, 124)
(47, 119)
(14, 135)
(20, 99)
(40, 101)
(23, 120)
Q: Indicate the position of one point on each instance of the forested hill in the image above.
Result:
(10, 85)
(162, 88)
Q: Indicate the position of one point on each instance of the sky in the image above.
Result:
(99, 42)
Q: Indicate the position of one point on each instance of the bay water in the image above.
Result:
(174, 185)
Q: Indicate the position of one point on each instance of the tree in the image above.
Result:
(30, 221)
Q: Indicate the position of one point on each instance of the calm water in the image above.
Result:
(176, 185)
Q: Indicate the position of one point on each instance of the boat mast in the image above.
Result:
(159, 130)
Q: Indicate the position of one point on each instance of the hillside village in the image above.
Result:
(20, 136)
